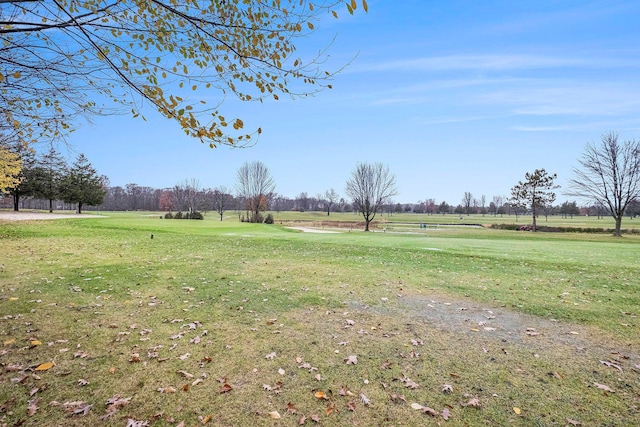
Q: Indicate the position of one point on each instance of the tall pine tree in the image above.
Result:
(82, 185)
(52, 170)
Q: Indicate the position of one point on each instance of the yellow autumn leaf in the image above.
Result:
(354, 5)
(9, 342)
(17, 75)
(365, 6)
(517, 410)
(275, 415)
(310, 25)
(319, 394)
(13, 298)
(1, 77)
(36, 342)
(45, 366)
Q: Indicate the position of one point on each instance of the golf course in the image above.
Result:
(131, 319)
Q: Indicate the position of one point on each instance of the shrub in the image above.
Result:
(178, 215)
(268, 219)
(168, 215)
(256, 218)
(194, 215)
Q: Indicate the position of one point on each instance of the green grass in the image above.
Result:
(126, 313)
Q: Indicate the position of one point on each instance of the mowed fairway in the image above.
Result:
(235, 324)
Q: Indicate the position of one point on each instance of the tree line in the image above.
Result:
(607, 180)
(48, 181)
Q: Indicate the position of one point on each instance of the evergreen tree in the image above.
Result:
(82, 185)
(51, 169)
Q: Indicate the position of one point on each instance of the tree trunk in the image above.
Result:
(366, 224)
(79, 207)
(534, 219)
(16, 202)
(50, 206)
(617, 231)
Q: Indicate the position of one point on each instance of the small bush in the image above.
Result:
(194, 215)
(178, 215)
(268, 219)
(168, 215)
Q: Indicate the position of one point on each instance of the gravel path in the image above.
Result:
(35, 216)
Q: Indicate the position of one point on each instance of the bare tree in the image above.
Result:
(331, 196)
(221, 199)
(302, 201)
(467, 200)
(370, 186)
(483, 202)
(498, 202)
(535, 192)
(609, 174)
(187, 195)
(256, 186)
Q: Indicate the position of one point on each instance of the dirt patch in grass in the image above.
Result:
(470, 318)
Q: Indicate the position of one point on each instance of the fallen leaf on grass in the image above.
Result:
(351, 360)
(206, 419)
(331, 408)
(117, 402)
(275, 415)
(291, 408)
(45, 366)
(430, 411)
(225, 388)
(344, 391)
(135, 423)
(446, 414)
(319, 394)
(517, 410)
(84, 410)
(167, 389)
(475, 402)
(82, 382)
(32, 406)
(398, 397)
(186, 374)
(574, 422)
(302, 420)
(270, 356)
(611, 365)
(447, 388)
(409, 383)
(365, 399)
(604, 387)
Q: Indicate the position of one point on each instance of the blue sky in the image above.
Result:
(453, 96)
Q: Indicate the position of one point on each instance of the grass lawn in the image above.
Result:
(230, 324)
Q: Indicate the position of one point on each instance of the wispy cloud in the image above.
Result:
(475, 62)
(610, 59)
